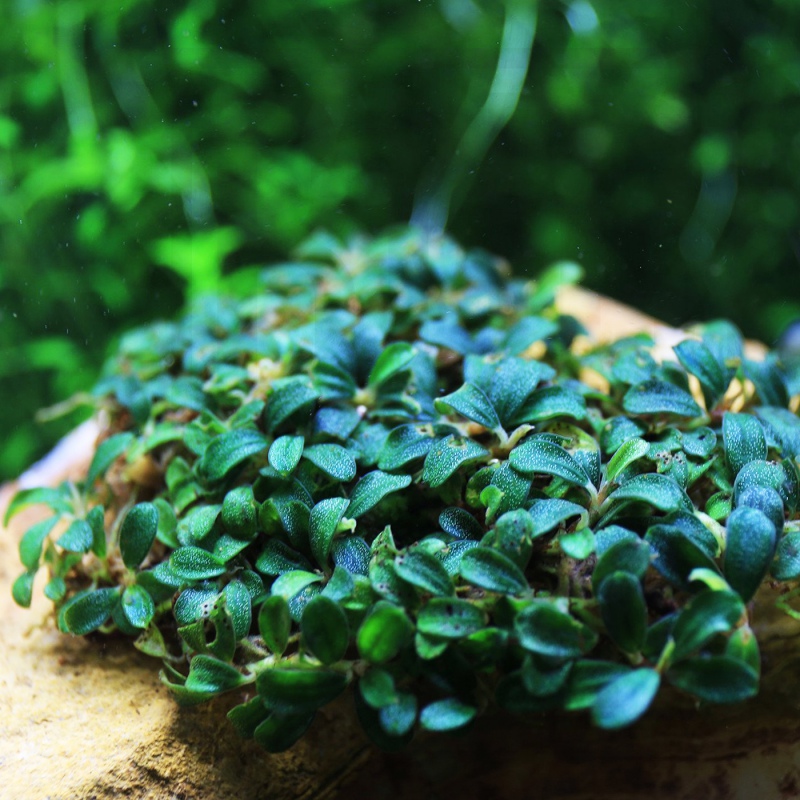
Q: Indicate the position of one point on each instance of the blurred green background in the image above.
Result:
(149, 149)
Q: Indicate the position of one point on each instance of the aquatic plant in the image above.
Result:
(398, 471)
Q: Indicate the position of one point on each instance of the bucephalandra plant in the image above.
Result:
(390, 470)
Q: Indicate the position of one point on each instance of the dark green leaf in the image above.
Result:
(96, 520)
(450, 618)
(240, 607)
(227, 451)
(424, 571)
(285, 452)
(766, 500)
(707, 614)
(549, 403)
(659, 491)
(699, 442)
(30, 546)
(744, 440)
(625, 699)
(325, 629)
(290, 396)
(372, 488)
(749, 549)
(780, 476)
(384, 632)
(87, 612)
(138, 606)
(700, 362)
(539, 455)
(446, 715)
(106, 454)
(299, 690)
(491, 570)
(458, 522)
(447, 455)
(208, 674)
(332, 459)
(471, 402)
(246, 717)
(394, 358)
(239, 515)
(195, 564)
(544, 629)
(587, 679)
(323, 524)
(623, 609)
(275, 623)
(406, 443)
(138, 533)
(550, 513)
(277, 558)
(787, 561)
(288, 584)
(631, 555)
(655, 396)
(280, 731)
(716, 679)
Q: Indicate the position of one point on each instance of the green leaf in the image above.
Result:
(700, 362)
(716, 679)
(782, 477)
(299, 690)
(550, 513)
(700, 442)
(394, 358)
(138, 533)
(787, 561)
(275, 623)
(446, 715)
(138, 606)
(659, 491)
(407, 443)
(372, 488)
(277, 558)
(285, 452)
(323, 524)
(655, 396)
(623, 610)
(227, 451)
(87, 612)
(625, 698)
(450, 618)
(749, 549)
(424, 571)
(246, 717)
(491, 570)
(706, 615)
(239, 514)
(632, 450)
(55, 589)
(106, 454)
(377, 688)
(290, 396)
(398, 718)
(548, 403)
(385, 631)
(30, 546)
(625, 555)
(22, 589)
(332, 459)
(325, 629)
(195, 564)
(743, 438)
(766, 500)
(239, 605)
(288, 584)
(471, 402)
(540, 455)
(278, 732)
(447, 455)
(208, 674)
(57, 499)
(544, 629)
(96, 520)
(676, 555)
(577, 544)
(587, 679)
(458, 522)
(528, 330)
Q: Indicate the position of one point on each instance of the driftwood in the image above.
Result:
(87, 718)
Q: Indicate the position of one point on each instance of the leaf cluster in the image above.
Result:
(390, 470)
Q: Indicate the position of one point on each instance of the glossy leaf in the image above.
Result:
(325, 629)
(106, 454)
(138, 533)
(750, 547)
(30, 546)
(385, 631)
(550, 513)
(208, 674)
(299, 690)
(544, 629)
(744, 440)
(278, 732)
(323, 524)
(623, 610)
(229, 450)
(787, 561)
(625, 698)
(655, 396)
(137, 606)
(450, 618)
(632, 450)
(194, 564)
(239, 513)
(285, 452)
(424, 571)
(372, 488)
(471, 402)
(275, 623)
(700, 362)
(332, 459)
(491, 570)
(716, 679)
(540, 456)
(707, 614)
(657, 490)
(446, 715)
(87, 612)
(448, 455)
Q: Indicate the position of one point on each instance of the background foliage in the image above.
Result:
(147, 151)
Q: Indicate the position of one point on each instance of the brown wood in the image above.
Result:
(87, 718)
